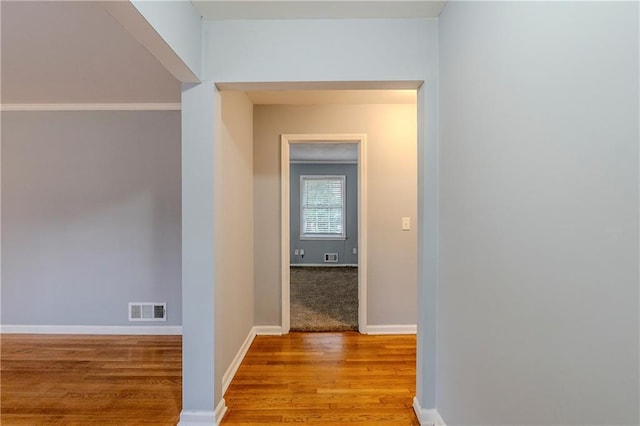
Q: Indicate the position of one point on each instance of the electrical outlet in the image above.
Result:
(296, 252)
(355, 250)
(301, 252)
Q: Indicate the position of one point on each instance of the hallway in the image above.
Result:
(325, 377)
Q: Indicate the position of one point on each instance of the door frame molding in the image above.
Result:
(285, 143)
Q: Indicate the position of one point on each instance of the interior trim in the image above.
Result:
(93, 107)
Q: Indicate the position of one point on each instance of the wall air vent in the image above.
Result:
(142, 311)
(331, 257)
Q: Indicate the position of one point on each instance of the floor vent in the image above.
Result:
(331, 257)
(147, 311)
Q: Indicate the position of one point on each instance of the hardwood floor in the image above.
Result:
(313, 378)
(88, 380)
(325, 378)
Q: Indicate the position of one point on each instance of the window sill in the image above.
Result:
(321, 238)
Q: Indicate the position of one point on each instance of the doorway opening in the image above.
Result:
(324, 233)
(392, 125)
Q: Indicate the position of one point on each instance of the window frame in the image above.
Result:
(319, 236)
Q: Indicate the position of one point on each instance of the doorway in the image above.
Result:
(356, 250)
(324, 236)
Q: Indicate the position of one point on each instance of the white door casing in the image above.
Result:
(286, 141)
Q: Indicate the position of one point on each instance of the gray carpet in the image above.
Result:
(324, 299)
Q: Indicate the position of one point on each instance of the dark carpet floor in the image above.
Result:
(324, 299)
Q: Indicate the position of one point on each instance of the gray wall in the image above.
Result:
(392, 193)
(538, 302)
(314, 250)
(90, 216)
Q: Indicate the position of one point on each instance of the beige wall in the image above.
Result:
(392, 194)
(234, 231)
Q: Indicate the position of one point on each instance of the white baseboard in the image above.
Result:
(259, 330)
(427, 417)
(221, 410)
(268, 330)
(197, 418)
(91, 329)
(392, 329)
(203, 418)
(237, 360)
(324, 265)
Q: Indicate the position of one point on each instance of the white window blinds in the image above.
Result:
(322, 206)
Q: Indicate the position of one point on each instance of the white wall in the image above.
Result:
(392, 194)
(320, 50)
(538, 304)
(233, 191)
(91, 216)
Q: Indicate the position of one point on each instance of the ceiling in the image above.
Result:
(75, 52)
(217, 10)
(323, 152)
(327, 97)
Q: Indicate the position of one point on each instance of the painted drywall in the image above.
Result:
(320, 50)
(314, 250)
(392, 183)
(91, 216)
(200, 119)
(428, 241)
(233, 162)
(180, 26)
(85, 55)
(538, 304)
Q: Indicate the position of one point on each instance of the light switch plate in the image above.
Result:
(406, 223)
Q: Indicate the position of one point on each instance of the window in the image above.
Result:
(322, 200)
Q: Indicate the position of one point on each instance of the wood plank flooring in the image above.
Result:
(90, 380)
(325, 378)
(313, 378)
